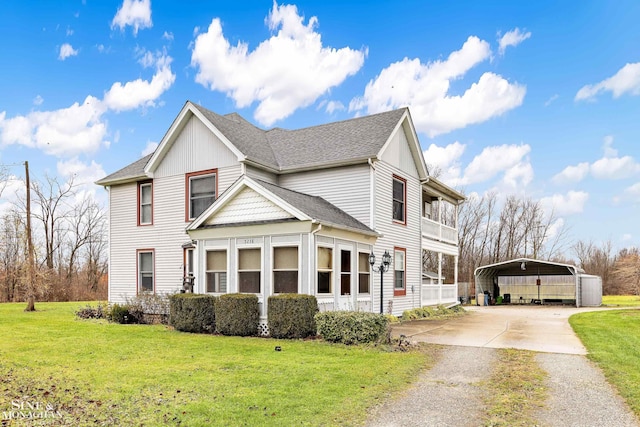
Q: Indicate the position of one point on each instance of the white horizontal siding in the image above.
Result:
(248, 206)
(345, 187)
(398, 235)
(227, 176)
(195, 148)
(269, 177)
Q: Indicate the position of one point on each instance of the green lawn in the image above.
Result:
(621, 300)
(108, 374)
(613, 341)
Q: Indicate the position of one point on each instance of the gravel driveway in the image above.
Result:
(450, 393)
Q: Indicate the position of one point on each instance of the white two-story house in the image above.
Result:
(241, 209)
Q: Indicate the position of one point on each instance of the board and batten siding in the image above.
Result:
(398, 235)
(195, 148)
(347, 187)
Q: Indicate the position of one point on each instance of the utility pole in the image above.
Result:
(31, 287)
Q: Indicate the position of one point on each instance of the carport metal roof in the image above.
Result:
(514, 267)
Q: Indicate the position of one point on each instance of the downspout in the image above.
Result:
(313, 256)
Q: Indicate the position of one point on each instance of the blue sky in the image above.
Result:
(538, 99)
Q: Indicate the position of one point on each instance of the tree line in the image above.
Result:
(490, 232)
(69, 232)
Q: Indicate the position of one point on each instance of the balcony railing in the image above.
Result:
(439, 294)
(438, 231)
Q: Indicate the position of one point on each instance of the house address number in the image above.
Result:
(246, 241)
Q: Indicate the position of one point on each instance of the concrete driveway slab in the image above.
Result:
(538, 328)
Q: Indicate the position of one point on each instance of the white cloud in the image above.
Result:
(511, 159)
(333, 106)
(615, 167)
(149, 148)
(607, 147)
(424, 88)
(66, 50)
(633, 191)
(67, 131)
(626, 237)
(518, 175)
(626, 80)
(140, 92)
(512, 38)
(136, 13)
(290, 70)
(167, 36)
(571, 203)
(83, 174)
(38, 100)
(572, 173)
(551, 100)
(445, 161)
(81, 128)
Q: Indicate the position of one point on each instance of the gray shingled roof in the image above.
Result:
(316, 207)
(132, 171)
(283, 150)
(354, 139)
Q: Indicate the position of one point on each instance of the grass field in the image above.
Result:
(621, 300)
(96, 373)
(613, 341)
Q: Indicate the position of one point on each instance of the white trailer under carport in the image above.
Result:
(558, 282)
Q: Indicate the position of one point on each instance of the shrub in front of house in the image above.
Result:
(192, 312)
(89, 312)
(237, 314)
(123, 314)
(353, 327)
(292, 315)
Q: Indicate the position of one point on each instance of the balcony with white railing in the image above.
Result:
(437, 231)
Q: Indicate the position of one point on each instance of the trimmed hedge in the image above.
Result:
(353, 327)
(237, 314)
(121, 314)
(192, 312)
(292, 315)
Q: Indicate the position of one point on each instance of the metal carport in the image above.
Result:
(527, 280)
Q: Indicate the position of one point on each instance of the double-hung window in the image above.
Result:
(200, 191)
(145, 203)
(146, 279)
(285, 270)
(399, 265)
(325, 270)
(249, 271)
(216, 271)
(364, 275)
(399, 199)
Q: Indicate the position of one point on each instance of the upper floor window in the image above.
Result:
(145, 203)
(285, 270)
(399, 283)
(399, 199)
(201, 192)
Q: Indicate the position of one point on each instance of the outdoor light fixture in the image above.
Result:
(382, 268)
(523, 266)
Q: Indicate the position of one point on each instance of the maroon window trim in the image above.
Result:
(400, 292)
(404, 203)
(153, 255)
(187, 191)
(139, 211)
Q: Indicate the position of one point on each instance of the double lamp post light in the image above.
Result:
(382, 268)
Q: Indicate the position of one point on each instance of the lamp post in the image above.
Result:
(382, 268)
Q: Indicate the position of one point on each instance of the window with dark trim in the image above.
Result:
(216, 271)
(145, 203)
(201, 190)
(345, 272)
(399, 199)
(249, 270)
(399, 270)
(325, 270)
(364, 273)
(285, 270)
(146, 273)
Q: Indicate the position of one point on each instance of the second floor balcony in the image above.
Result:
(437, 231)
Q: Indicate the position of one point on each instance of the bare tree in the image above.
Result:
(597, 260)
(626, 271)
